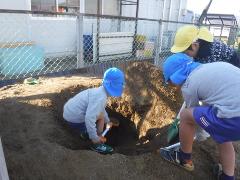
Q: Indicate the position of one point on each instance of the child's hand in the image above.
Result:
(109, 125)
(102, 139)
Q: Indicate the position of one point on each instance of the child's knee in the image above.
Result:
(186, 116)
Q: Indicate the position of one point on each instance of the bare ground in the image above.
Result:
(37, 144)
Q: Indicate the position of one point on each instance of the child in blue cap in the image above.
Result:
(217, 86)
(86, 113)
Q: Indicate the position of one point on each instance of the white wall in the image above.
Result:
(16, 4)
(57, 35)
(175, 10)
(110, 7)
(216, 31)
(91, 6)
(147, 9)
(189, 16)
(82, 6)
(54, 34)
(156, 9)
(14, 28)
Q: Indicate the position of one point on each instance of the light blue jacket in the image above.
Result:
(85, 107)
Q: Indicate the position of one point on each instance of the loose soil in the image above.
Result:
(38, 145)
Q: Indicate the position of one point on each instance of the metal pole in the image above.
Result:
(98, 28)
(102, 7)
(170, 10)
(169, 13)
(82, 6)
(56, 5)
(161, 30)
(120, 14)
(179, 10)
(3, 166)
(204, 13)
(221, 33)
(67, 5)
(163, 9)
(80, 61)
(158, 44)
(135, 31)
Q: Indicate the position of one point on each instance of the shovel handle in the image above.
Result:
(176, 145)
(114, 123)
(173, 146)
(105, 131)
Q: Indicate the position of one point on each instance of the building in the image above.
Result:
(59, 33)
(223, 26)
(174, 10)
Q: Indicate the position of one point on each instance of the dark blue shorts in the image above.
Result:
(221, 129)
(78, 127)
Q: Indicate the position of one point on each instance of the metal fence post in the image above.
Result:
(98, 39)
(80, 61)
(158, 44)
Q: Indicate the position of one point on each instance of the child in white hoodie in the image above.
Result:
(86, 113)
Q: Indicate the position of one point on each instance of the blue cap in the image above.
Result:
(113, 81)
(177, 67)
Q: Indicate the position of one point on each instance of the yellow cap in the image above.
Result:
(205, 34)
(184, 37)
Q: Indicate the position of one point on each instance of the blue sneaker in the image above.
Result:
(173, 157)
(102, 148)
(217, 171)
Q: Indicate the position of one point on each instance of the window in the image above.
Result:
(43, 5)
(68, 5)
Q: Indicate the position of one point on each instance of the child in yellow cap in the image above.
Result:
(199, 44)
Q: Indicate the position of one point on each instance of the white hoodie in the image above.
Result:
(86, 107)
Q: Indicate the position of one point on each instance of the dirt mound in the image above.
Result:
(146, 101)
(38, 145)
(145, 110)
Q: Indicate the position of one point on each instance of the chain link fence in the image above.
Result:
(34, 44)
(111, 41)
(38, 44)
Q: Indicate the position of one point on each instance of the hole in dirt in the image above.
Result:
(124, 138)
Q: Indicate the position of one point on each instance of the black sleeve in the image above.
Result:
(235, 60)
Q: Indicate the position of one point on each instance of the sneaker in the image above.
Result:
(217, 171)
(173, 157)
(102, 148)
